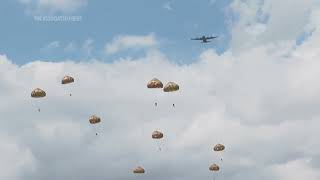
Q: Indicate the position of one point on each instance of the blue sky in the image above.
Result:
(24, 39)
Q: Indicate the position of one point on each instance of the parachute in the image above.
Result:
(157, 135)
(214, 167)
(171, 87)
(67, 80)
(94, 120)
(138, 170)
(38, 93)
(219, 148)
(153, 84)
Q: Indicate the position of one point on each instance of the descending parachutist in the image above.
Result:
(67, 80)
(173, 105)
(155, 83)
(157, 135)
(70, 94)
(94, 120)
(38, 93)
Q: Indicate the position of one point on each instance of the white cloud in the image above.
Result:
(124, 42)
(16, 160)
(54, 6)
(168, 6)
(262, 22)
(296, 170)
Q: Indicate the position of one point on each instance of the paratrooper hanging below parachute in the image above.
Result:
(38, 93)
(171, 87)
(157, 135)
(94, 120)
(219, 148)
(67, 80)
(154, 84)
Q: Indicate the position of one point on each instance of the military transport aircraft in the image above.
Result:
(204, 39)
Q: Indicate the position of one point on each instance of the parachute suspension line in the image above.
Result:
(162, 144)
(156, 98)
(219, 156)
(158, 144)
(38, 105)
(96, 128)
(68, 89)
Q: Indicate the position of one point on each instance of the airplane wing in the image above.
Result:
(196, 39)
(212, 37)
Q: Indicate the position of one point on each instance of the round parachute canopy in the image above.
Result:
(67, 80)
(214, 167)
(170, 87)
(219, 147)
(94, 119)
(38, 93)
(155, 83)
(157, 135)
(138, 170)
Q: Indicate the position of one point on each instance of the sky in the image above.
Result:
(172, 22)
(254, 89)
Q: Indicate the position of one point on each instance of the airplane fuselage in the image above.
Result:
(204, 39)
